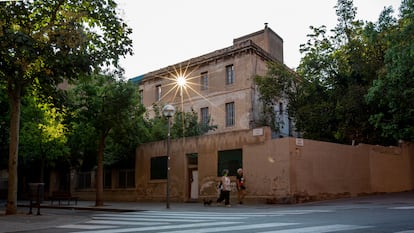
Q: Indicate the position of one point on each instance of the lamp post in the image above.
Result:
(168, 111)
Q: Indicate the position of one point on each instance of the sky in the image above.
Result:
(167, 32)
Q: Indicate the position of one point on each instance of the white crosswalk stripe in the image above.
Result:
(320, 229)
(402, 208)
(202, 222)
(234, 228)
(153, 228)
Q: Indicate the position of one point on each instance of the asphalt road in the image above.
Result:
(377, 214)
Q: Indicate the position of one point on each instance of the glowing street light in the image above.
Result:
(168, 111)
(181, 81)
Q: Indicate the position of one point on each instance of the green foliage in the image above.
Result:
(104, 106)
(124, 139)
(279, 83)
(351, 59)
(186, 124)
(82, 141)
(56, 40)
(393, 91)
(45, 42)
(43, 133)
(156, 125)
(355, 85)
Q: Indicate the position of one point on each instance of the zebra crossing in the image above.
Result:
(202, 222)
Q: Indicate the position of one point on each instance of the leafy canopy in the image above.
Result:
(356, 83)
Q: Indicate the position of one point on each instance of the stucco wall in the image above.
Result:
(267, 170)
(206, 147)
(322, 170)
(276, 170)
(391, 168)
(282, 170)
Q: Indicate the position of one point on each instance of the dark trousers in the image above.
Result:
(224, 195)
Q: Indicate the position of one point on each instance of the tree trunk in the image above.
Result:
(99, 171)
(14, 93)
(42, 170)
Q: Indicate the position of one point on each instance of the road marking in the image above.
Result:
(303, 211)
(203, 222)
(154, 221)
(106, 222)
(180, 226)
(233, 228)
(85, 227)
(402, 208)
(226, 215)
(311, 211)
(320, 229)
(181, 216)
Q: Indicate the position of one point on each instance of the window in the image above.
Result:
(204, 81)
(107, 179)
(141, 96)
(229, 74)
(231, 160)
(204, 115)
(159, 167)
(84, 180)
(230, 114)
(280, 108)
(158, 93)
(126, 178)
(192, 159)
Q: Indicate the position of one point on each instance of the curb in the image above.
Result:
(92, 208)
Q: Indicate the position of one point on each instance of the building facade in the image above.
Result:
(219, 85)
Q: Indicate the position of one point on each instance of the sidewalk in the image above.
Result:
(114, 206)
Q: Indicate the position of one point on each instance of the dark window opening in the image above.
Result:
(159, 167)
(126, 178)
(231, 160)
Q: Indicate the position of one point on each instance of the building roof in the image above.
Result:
(137, 79)
(240, 44)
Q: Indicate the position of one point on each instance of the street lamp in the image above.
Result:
(168, 111)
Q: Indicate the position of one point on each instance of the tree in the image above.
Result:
(105, 104)
(393, 91)
(328, 101)
(279, 83)
(48, 41)
(43, 134)
(340, 79)
(186, 124)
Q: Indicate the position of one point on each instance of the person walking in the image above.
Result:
(241, 188)
(225, 190)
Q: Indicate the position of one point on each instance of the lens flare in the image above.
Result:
(181, 87)
(181, 81)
